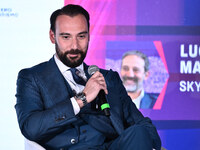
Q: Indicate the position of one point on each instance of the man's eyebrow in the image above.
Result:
(84, 32)
(64, 34)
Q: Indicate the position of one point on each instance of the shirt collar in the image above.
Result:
(137, 100)
(62, 67)
(141, 95)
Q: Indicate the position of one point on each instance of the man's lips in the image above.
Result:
(129, 82)
(73, 55)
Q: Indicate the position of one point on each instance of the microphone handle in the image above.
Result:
(107, 111)
(104, 104)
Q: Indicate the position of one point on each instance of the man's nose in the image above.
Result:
(131, 73)
(74, 43)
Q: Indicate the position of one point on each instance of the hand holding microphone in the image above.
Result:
(96, 86)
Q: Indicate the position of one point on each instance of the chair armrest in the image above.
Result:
(31, 145)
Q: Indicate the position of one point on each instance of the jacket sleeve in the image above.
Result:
(133, 116)
(35, 121)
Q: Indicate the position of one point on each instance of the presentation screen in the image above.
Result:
(169, 38)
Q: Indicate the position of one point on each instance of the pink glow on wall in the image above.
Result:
(160, 99)
(159, 48)
(102, 13)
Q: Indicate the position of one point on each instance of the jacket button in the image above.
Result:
(73, 141)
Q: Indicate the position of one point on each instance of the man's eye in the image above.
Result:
(125, 68)
(65, 37)
(136, 70)
(81, 36)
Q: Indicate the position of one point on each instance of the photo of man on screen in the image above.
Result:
(134, 71)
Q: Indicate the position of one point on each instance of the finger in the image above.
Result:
(97, 74)
(105, 89)
(102, 82)
(103, 86)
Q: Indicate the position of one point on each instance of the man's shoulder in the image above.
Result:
(36, 68)
(108, 72)
(149, 100)
(152, 96)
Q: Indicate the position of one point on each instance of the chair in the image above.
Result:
(31, 145)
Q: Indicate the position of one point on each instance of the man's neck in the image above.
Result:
(134, 95)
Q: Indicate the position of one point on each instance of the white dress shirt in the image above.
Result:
(65, 70)
(138, 99)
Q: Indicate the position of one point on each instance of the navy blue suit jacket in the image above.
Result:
(148, 100)
(45, 113)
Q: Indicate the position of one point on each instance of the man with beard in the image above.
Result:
(58, 111)
(134, 70)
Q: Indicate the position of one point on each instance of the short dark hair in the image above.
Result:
(69, 10)
(141, 55)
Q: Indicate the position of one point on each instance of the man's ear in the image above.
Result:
(147, 73)
(52, 36)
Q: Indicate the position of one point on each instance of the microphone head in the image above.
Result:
(92, 69)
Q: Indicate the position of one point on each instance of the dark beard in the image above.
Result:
(70, 63)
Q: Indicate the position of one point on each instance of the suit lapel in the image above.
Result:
(145, 102)
(56, 85)
(116, 122)
(115, 112)
(114, 109)
(86, 70)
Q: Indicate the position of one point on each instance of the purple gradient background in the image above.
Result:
(140, 21)
(171, 22)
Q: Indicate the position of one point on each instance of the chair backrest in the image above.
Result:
(31, 145)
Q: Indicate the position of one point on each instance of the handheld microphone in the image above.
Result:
(102, 96)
